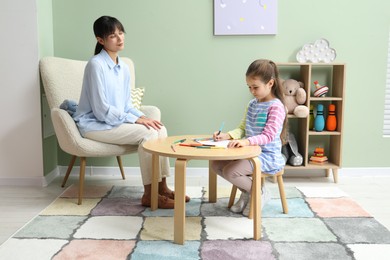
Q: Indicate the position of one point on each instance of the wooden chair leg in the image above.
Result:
(83, 162)
(70, 166)
(282, 194)
(119, 159)
(232, 196)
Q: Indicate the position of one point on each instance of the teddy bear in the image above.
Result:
(295, 97)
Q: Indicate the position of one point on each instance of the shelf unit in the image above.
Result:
(331, 75)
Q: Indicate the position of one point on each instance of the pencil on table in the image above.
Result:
(173, 148)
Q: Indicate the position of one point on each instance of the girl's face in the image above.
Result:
(114, 42)
(260, 90)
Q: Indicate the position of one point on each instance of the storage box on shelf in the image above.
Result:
(333, 76)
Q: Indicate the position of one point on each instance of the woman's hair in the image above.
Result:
(266, 70)
(105, 26)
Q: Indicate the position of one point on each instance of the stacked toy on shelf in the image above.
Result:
(319, 156)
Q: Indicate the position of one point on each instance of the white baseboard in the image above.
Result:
(201, 172)
(31, 181)
(365, 172)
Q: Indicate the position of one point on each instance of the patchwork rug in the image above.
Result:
(322, 223)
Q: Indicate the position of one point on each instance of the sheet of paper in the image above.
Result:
(223, 143)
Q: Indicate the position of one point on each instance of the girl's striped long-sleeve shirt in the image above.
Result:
(262, 125)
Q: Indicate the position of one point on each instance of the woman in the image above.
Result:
(105, 112)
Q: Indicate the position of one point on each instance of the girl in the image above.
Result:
(106, 114)
(262, 125)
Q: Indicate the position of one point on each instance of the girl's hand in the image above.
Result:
(149, 123)
(221, 136)
(238, 143)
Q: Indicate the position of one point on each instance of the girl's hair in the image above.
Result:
(266, 70)
(103, 27)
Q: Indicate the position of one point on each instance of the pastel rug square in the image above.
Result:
(336, 207)
(228, 227)
(297, 208)
(161, 228)
(127, 192)
(166, 250)
(22, 249)
(110, 227)
(371, 251)
(220, 208)
(322, 192)
(290, 192)
(96, 249)
(358, 230)
(60, 227)
(194, 192)
(89, 191)
(310, 251)
(69, 207)
(192, 210)
(233, 249)
(297, 230)
(222, 192)
(118, 207)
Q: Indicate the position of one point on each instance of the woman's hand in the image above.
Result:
(149, 123)
(221, 136)
(238, 143)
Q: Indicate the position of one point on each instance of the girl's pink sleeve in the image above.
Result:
(275, 121)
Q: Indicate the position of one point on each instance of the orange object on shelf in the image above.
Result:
(331, 122)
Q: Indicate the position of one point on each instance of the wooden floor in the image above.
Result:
(19, 204)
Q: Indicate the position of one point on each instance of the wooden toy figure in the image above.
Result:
(319, 121)
(320, 90)
(331, 122)
(311, 118)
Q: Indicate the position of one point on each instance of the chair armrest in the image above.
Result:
(71, 141)
(151, 112)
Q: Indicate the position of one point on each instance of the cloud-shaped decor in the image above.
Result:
(316, 52)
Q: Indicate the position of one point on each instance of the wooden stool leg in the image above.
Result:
(282, 194)
(119, 159)
(232, 196)
(70, 166)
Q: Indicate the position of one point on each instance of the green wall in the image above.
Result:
(46, 48)
(197, 79)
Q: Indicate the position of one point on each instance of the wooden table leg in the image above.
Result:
(155, 178)
(180, 203)
(256, 198)
(212, 185)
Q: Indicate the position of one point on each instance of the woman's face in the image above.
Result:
(114, 42)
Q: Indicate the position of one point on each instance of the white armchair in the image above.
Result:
(62, 79)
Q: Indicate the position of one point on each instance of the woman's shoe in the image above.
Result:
(163, 202)
(171, 195)
(239, 206)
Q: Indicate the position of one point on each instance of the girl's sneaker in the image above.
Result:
(239, 206)
(265, 197)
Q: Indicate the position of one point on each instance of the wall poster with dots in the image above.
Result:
(245, 17)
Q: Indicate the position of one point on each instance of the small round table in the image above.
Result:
(163, 147)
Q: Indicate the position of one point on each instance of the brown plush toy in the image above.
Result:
(295, 97)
